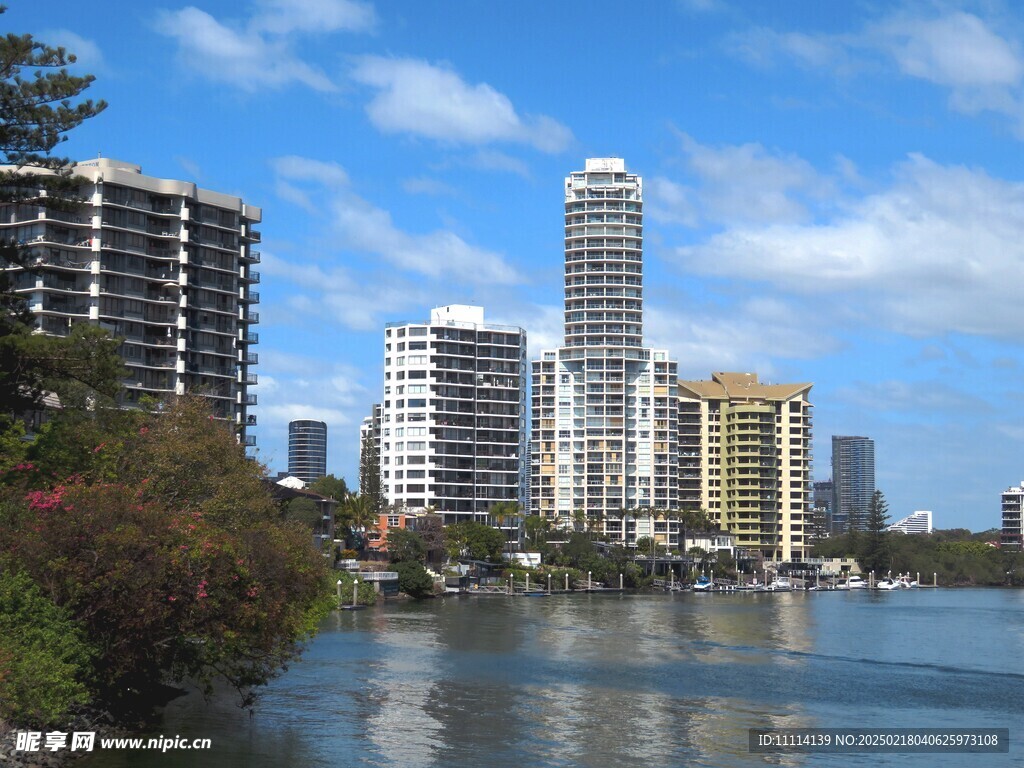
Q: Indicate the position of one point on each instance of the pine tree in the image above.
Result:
(36, 112)
(874, 554)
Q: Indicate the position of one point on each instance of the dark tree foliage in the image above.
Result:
(36, 112)
(369, 474)
(330, 486)
(405, 546)
(875, 554)
(414, 580)
(431, 528)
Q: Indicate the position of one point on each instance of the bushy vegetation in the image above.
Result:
(180, 569)
(45, 661)
(414, 580)
(958, 557)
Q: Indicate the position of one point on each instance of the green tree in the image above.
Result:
(875, 553)
(414, 580)
(369, 473)
(330, 486)
(36, 112)
(405, 545)
(503, 513)
(44, 659)
(474, 540)
(180, 568)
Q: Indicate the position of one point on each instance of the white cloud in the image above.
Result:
(368, 229)
(87, 53)
(419, 98)
(544, 326)
(931, 397)
(284, 16)
(762, 47)
(940, 251)
(746, 337)
(958, 50)
(358, 225)
(362, 268)
(667, 202)
(297, 168)
(982, 67)
(739, 183)
(246, 59)
(422, 185)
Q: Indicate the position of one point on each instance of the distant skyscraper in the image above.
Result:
(745, 457)
(853, 479)
(453, 421)
(604, 406)
(307, 449)
(1013, 509)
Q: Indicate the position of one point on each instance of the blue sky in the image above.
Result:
(833, 192)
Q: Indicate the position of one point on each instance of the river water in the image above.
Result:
(623, 679)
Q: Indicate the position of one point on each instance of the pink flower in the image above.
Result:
(171, 598)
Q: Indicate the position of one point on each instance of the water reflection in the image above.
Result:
(603, 680)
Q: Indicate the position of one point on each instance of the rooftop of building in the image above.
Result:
(740, 386)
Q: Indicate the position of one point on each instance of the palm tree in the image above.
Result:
(359, 513)
(503, 512)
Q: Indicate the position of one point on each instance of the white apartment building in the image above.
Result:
(603, 406)
(919, 522)
(1012, 501)
(162, 264)
(745, 457)
(452, 421)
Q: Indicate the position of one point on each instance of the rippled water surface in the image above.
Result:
(606, 680)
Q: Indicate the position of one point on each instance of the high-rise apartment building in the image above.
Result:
(1012, 499)
(603, 406)
(452, 422)
(853, 482)
(745, 457)
(162, 264)
(307, 449)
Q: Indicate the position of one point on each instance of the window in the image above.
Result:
(417, 446)
(418, 359)
(415, 474)
(393, 521)
(417, 402)
(417, 331)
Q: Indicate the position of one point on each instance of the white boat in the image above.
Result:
(887, 584)
(905, 582)
(856, 582)
(703, 584)
(781, 584)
